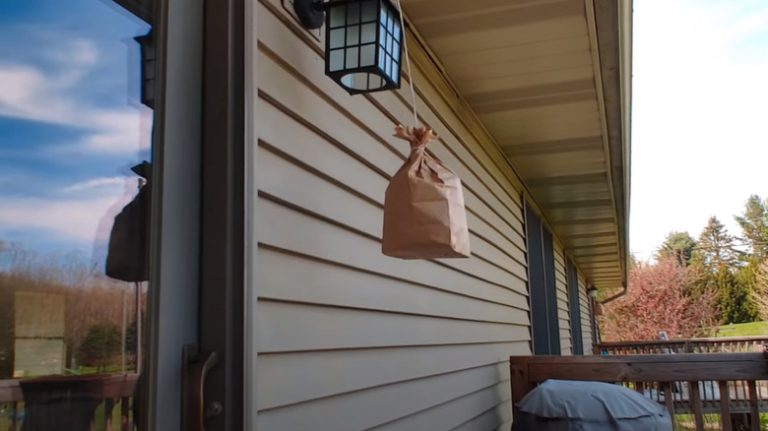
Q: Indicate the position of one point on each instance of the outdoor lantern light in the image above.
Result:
(363, 41)
(592, 292)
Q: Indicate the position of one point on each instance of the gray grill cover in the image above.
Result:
(558, 405)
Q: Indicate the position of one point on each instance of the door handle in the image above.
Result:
(195, 368)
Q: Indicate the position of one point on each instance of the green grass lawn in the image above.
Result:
(743, 329)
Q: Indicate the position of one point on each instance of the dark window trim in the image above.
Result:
(222, 266)
(574, 305)
(542, 289)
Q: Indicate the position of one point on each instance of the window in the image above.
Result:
(574, 305)
(545, 331)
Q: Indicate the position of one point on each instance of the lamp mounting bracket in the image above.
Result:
(311, 13)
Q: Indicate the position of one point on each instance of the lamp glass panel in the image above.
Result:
(338, 14)
(352, 57)
(382, 35)
(367, 55)
(368, 33)
(382, 58)
(337, 38)
(396, 72)
(353, 35)
(353, 13)
(336, 60)
(369, 10)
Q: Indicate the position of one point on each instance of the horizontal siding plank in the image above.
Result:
(286, 229)
(287, 327)
(367, 409)
(501, 415)
(454, 413)
(474, 268)
(299, 377)
(295, 278)
(586, 325)
(563, 313)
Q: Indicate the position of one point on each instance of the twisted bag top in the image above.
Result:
(424, 214)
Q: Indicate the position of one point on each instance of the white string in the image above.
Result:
(408, 64)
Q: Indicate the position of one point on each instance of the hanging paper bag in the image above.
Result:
(424, 214)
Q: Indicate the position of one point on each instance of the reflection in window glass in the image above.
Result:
(76, 92)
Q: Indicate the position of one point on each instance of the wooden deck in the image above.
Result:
(688, 345)
(685, 383)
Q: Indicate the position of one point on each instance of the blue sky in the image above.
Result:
(71, 124)
(700, 145)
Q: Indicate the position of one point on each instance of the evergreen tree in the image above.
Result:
(716, 247)
(678, 245)
(754, 224)
(100, 346)
(735, 297)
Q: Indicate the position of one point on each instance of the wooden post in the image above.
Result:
(754, 408)
(15, 413)
(518, 378)
(669, 401)
(108, 405)
(725, 406)
(696, 408)
(124, 410)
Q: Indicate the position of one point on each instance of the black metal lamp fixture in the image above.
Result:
(592, 292)
(363, 41)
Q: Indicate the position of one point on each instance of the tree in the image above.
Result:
(658, 300)
(678, 245)
(716, 246)
(754, 225)
(101, 345)
(734, 295)
(760, 290)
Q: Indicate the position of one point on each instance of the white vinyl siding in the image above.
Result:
(563, 314)
(347, 338)
(586, 317)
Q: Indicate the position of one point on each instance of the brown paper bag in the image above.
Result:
(424, 214)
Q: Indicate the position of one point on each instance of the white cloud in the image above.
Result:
(30, 93)
(100, 182)
(82, 220)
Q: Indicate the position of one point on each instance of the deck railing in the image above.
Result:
(699, 386)
(91, 401)
(689, 345)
